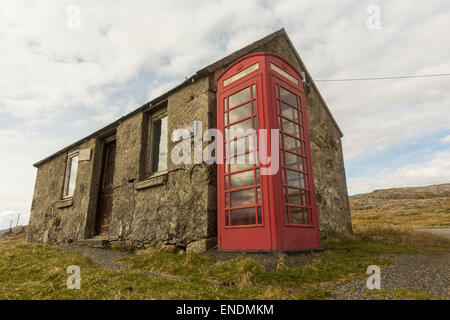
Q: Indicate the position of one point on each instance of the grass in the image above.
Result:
(401, 213)
(34, 271)
(344, 257)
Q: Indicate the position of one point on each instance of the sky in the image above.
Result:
(69, 68)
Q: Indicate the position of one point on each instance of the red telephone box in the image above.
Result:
(256, 210)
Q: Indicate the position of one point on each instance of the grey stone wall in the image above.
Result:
(52, 219)
(172, 208)
(176, 208)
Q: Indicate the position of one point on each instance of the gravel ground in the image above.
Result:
(428, 273)
(445, 232)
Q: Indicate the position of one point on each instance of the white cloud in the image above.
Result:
(445, 139)
(434, 171)
(58, 85)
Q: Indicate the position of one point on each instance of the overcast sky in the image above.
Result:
(59, 83)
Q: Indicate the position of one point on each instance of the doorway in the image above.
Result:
(106, 190)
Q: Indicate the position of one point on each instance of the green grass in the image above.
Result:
(344, 257)
(32, 271)
(35, 271)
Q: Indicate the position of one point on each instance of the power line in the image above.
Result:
(385, 78)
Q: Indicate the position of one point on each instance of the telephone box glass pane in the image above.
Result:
(239, 97)
(288, 96)
(294, 178)
(242, 179)
(242, 197)
(289, 112)
(240, 112)
(292, 144)
(243, 216)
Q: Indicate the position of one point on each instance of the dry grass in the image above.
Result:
(33, 271)
(400, 213)
(344, 257)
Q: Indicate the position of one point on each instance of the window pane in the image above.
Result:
(283, 73)
(242, 197)
(241, 74)
(243, 216)
(72, 176)
(240, 145)
(298, 215)
(288, 96)
(289, 112)
(240, 112)
(296, 196)
(241, 162)
(159, 144)
(239, 97)
(242, 179)
(294, 178)
(291, 128)
(259, 215)
(239, 128)
(292, 144)
(293, 161)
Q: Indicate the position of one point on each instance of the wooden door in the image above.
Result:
(106, 193)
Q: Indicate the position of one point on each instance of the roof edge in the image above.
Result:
(200, 73)
(308, 75)
(111, 126)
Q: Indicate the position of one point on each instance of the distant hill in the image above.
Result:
(416, 207)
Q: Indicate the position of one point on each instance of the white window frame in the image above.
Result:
(70, 156)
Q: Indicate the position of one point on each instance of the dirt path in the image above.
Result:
(412, 277)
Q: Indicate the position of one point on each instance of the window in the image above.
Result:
(293, 157)
(242, 182)
(71, 175)
(283, 73)
(157, 146)
(241, 74)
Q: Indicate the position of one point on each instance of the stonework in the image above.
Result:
(175, 209)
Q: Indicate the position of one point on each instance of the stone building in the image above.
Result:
(120, 185)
